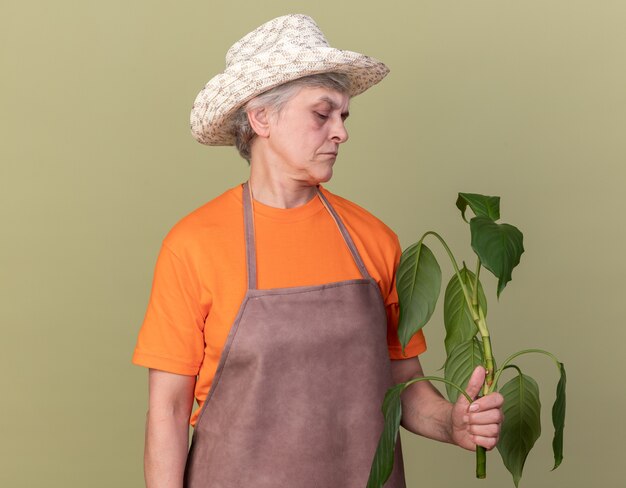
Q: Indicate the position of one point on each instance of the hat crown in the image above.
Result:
(296, 31)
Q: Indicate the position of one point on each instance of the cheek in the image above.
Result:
(302, 141)
(317, 137)
(307, 144)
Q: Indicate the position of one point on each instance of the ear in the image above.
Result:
(259, 121)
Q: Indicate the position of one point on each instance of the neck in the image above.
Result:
(274, 188)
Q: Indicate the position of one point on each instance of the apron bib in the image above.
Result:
(296, 398)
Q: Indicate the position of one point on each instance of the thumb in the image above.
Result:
(475, 383)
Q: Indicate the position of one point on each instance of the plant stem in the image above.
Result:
(478, 317)
(481, 462)
(481, 452)
(489, 366)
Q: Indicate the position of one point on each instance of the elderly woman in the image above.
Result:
(274, 304)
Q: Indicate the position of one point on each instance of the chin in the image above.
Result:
(324, 177)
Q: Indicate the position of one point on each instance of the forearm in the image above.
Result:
(167, 443)
(424, 410)
(167, 429)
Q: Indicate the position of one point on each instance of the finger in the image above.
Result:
(483, 418)
(489, 430)
(488, 402)
(475, 382)
(487, 442)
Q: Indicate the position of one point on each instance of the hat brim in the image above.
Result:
(224, 94)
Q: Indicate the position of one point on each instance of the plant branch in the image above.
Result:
(513, 356)
(519, 371)
(476, 275)
(456, 270)
(443, 380)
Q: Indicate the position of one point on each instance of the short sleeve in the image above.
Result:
(171, 338)
(415, 347)
(417, 344)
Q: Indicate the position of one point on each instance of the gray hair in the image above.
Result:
(275, 99)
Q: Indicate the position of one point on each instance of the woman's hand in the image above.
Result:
(427, 413)
(477, 423)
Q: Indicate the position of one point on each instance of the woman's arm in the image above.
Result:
(427, 413)
(167, 428)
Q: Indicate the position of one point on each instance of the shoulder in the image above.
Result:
(209, 223)
(361, 220)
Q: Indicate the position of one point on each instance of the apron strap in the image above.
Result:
(248, 215)
(345, 234)
(248, 218)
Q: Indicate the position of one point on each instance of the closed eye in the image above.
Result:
(321, 116)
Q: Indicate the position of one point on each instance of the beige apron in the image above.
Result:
(296, 399)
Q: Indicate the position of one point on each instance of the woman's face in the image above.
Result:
(304, 137)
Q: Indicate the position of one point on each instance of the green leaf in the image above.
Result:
(418, 282)
(382, 465)
(460, 326)
(499, 247)
(461, 363)
(522, 424)
(481, 205)
(558, 418)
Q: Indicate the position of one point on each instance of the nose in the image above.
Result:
(339, 134)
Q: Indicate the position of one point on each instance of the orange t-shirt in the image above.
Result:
(200, 276)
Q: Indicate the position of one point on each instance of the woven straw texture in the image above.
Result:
(281, 50)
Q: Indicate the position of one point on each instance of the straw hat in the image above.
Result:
(281, 50)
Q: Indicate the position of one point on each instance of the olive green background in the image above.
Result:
(523, 99)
